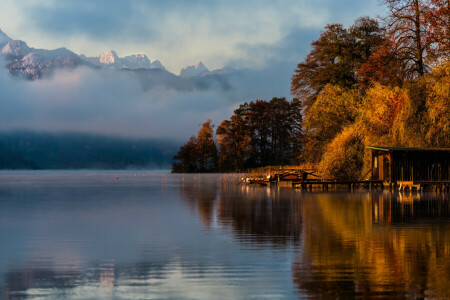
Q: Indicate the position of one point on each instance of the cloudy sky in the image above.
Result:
(249, 33)
(264, 38)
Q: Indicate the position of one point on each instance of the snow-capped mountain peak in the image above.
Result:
(198, 69)
(109, 57)
(134, 61)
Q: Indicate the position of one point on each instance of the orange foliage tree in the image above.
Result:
(344, 156)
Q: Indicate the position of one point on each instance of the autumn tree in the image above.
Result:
(408, 26)
(199, 154)
(335, 57)
(285, 130)
(233, 141)
(261, 133)
(344, 155)
(258, 116)
(383, 66)
(438, 107)
(206, 148)
(382, 106)
(334, 109)
(439, 29)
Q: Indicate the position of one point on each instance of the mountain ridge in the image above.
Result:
(31, 63)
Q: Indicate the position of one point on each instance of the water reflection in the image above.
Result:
(379, 244)
(200, 196)
(260, 215)
(254, 214)
(410, 208)
(207, 237)
(355, 246)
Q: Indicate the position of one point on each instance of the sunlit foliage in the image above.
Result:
(343, 158)
(438, 106)
(400, 95)
(334, 109)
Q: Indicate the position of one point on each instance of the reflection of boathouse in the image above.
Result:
(394, 165)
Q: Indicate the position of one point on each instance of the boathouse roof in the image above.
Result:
(406, 149)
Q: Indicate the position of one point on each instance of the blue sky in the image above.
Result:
(251, 33)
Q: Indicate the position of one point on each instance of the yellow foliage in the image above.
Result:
(343, 158)
(334, 109)
(382, 107)
(438, 106)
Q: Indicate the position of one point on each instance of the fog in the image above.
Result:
(132, 104)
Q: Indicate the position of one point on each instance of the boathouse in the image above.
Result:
(418, 165)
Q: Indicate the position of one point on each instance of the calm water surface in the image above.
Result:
(86, 236)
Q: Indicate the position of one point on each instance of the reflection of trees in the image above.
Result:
(260, 214)
(254, 214)
(348, 252)
(200, 197)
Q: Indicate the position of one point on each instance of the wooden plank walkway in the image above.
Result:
(324, 184)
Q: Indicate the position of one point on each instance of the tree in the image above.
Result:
(327, 62)
(206, 148)
(439, 17)
(296, 138)
(383, 66)
(335, 57)
(233, 141)
(438, 107)
(344, 156)
(408, 26)
(261, 133)
(199, 154)
(185, 161)
(383, 105)
(258, 116)
(334, 109)
(366, 37)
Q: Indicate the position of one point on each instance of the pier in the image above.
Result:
(393, 168)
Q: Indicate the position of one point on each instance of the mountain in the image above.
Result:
(15, 49)
(30, 63)
(36, 63)
(196, 70)
(133, 62)
(3, 38)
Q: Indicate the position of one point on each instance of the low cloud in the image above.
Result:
(122, 104)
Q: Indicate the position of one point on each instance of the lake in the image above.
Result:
(86, 235)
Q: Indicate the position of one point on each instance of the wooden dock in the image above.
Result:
(351, 185)
(300, 180)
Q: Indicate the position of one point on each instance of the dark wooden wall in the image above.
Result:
(411, 165)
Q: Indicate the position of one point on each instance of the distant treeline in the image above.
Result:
(31, 150)
(379, 82)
